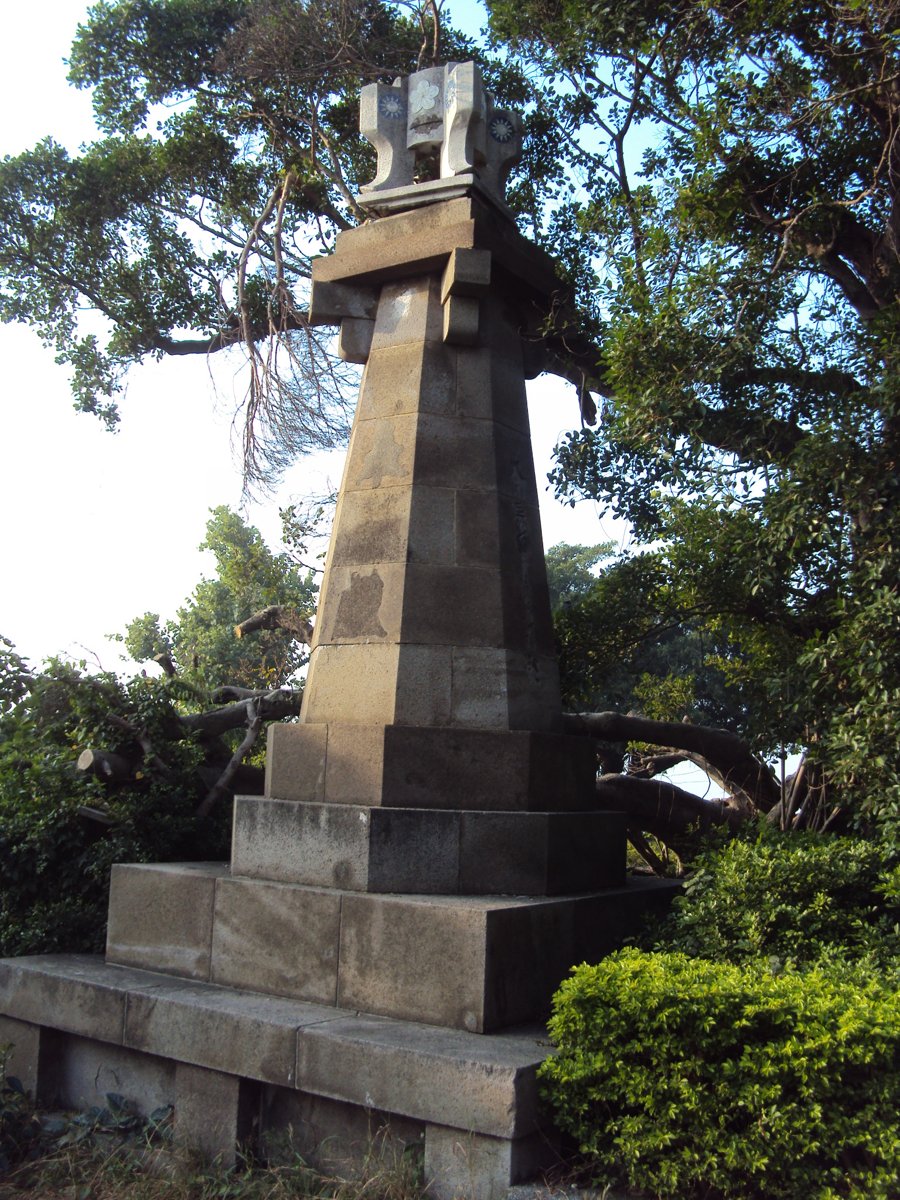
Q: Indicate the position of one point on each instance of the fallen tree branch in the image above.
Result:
(731, 758)
(661, 808)
(278, 616)
(273, 706)
(223, 784)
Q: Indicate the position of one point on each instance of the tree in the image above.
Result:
(201, 646)
(735, 237)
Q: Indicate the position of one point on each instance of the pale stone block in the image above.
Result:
(160, 916)
(372, 528)
(470, 1166)
(295, 761)
(24, 1042)
(409, 378)
(355, 764)
(355, 339)
(461, 321)
(467, 273)
(407, 312)
(486, 1083)
(364, 604)
(214, 1113)
(424, 682)
(239, 1032)
(381, 453)
(350, 683)
(276, 938)
(420, 960)
(79, 1073)
(323, 845)
(78, 993)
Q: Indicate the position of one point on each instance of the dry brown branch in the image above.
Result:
(278, 616)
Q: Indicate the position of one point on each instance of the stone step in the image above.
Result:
(427, 851)
(232, 1061)
(478, 963)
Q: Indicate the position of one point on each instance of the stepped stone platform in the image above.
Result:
(243, 1063)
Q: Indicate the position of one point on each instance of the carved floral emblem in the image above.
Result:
(423, 97)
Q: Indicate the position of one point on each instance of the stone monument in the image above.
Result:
(425, 864)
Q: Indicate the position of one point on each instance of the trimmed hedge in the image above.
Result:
(694, 1078)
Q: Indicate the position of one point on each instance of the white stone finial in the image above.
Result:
(437, 135)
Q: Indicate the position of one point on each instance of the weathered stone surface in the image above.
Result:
(346, 1140)
(160, 916)
(355, 339)
(75, 992)
(295, 762)
(213, 1113)
(78, 1073)
(274, 938)
(239, 1032)
(24, 1041)
(432, 851)
(479, 1167)
(486, 1083)
(412, 766)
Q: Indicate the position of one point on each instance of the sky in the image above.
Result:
(99, 528)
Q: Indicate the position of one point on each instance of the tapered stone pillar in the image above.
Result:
(433, 641)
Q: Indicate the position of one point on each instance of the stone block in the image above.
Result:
(74, 992)
(371, 528)
(160, 916)
(214, 1113)
(295, 761)
(355, 339)
(351, 683)
(329, 303)
(455, 452)
(461, 322)
(467, 273)
(408, 312)
(381, 453)
(480, 695)
(432, 525)
(364, 604)
(24, 1042)
(422, 960)
(344, 1140)
(477, 528)
(238, 1032)
(452, 606)
(470, 1166)
(79, 1073)
(486, 1084)
(274, 938)
(355, 764)
(424, 683)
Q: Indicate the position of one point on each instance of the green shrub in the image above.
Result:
(56, 864)
(693, 1078)
(799, 898)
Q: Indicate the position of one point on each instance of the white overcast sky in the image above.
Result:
(100, 528)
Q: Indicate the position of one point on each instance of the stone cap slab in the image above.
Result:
(482, 1083)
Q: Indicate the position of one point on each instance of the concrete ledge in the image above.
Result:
(482, 1084)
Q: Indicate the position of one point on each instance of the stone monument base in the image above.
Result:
(243, 1067)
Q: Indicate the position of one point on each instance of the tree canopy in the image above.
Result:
(719, 183)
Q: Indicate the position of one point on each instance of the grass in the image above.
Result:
(113, 1156)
